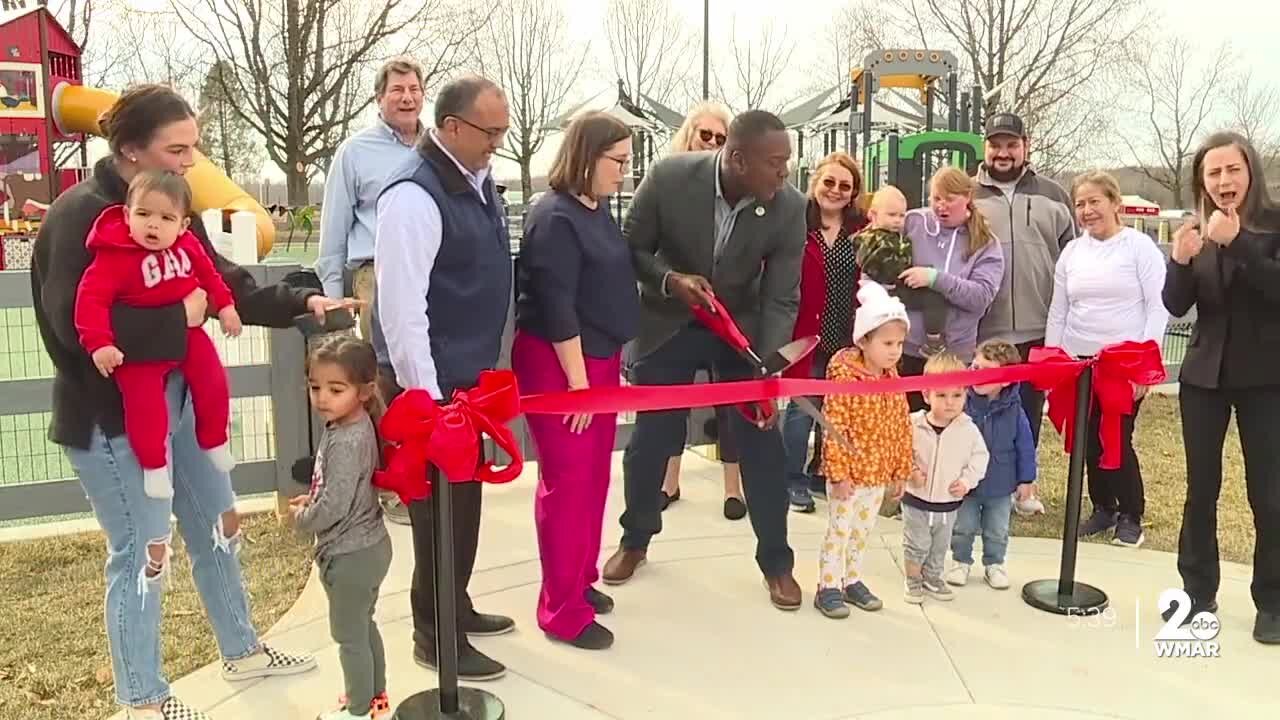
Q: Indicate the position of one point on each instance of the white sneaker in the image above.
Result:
(958, 575)
(222, 457)
(157, 483)
(1030, 506)
(266, 663)
(997, 578)
(172, 709)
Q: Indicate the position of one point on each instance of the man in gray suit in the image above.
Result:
(728, 216)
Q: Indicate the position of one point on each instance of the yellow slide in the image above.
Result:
(76, 109)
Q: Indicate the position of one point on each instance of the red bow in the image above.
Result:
(1116, 369)
(417, 432)
(719, 321)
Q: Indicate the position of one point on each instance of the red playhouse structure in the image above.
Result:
(36, 55)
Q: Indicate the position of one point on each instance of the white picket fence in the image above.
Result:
(240, 246)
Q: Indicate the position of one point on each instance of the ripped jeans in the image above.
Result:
(138, 532)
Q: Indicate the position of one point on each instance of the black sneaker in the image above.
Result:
(472, 664)
(1197, 606)
(1129, 531)
(818, 486)
(860, 597)
(593, 637)
(801, 501)
(1100, 521)
(734, 508)
(482, 625)
(1266, 628)
(601, 603)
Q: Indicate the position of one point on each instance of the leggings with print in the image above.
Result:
(849, 525)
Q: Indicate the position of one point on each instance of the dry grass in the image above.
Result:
(54, 663)
(1158, 440)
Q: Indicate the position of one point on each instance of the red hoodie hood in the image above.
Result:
(111, 231)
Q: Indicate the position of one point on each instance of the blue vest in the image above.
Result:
(469, 291)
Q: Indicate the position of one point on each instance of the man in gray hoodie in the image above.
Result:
(1032, 218)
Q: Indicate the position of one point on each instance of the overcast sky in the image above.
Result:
(1251, 31)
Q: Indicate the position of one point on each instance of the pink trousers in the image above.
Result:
(573, 483)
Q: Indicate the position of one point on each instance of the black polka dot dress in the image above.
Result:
(841, 268)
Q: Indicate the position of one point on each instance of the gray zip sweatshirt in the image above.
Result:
(344, 512)
(1032, 226)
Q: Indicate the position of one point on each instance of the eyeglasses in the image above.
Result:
(494, 134)
(831, 184)
(624, 163)
(707, 136)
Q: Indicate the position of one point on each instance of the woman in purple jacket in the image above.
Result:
(956, 256)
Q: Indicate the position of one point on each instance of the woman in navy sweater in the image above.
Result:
(578, 306)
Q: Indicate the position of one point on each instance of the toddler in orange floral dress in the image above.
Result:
(879, 429)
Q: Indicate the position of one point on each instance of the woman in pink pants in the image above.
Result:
(577, 307)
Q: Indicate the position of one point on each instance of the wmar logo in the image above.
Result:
(1195, 639)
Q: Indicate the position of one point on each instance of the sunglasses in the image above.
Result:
(707, 136)
(831, 184)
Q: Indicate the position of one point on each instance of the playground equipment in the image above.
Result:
(907, 161)
(43, 101)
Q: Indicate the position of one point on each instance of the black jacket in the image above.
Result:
(82, 398)
(1236, 292)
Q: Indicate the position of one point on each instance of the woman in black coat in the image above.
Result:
(1226, 263)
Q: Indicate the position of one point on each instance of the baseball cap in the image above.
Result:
(1005, 124)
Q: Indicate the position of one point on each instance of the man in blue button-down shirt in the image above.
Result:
(355, 178)
(349, 214)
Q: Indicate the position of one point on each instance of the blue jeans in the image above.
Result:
(989, 516)
(132, 521)
(796, 427)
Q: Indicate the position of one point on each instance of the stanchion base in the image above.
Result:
(473, 704)
(1084, 599)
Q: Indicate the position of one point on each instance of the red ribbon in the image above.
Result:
(418, 432)
(718, 320)
(1116, 369)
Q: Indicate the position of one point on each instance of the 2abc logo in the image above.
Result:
(1184, 636)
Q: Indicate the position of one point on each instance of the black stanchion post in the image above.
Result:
(446, 605)
(449, 701)
(1065, 596)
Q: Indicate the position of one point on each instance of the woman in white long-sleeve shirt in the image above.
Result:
(1107, 289)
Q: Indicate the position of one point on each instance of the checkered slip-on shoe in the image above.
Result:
(172, 709)
(268, 663)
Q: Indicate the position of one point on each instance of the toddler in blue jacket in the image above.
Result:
(997, 411)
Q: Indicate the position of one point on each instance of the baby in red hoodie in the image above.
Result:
(145, 255)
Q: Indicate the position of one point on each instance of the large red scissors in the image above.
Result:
(717, 319)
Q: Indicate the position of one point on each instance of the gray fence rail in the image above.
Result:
(269, 408)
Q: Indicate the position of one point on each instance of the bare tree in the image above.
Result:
(854, 29)
(651, 47)
(1253, 107)
(155, 47)
(302, 68)
(1177, 88)
(225, 136)
(527, 51)
(1033, 57)
(755, 68)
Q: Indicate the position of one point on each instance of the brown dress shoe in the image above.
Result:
(784, 591)
(622, 566)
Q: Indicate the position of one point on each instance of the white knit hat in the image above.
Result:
(875, 308)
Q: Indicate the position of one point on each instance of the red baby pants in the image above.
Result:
(146, 412)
